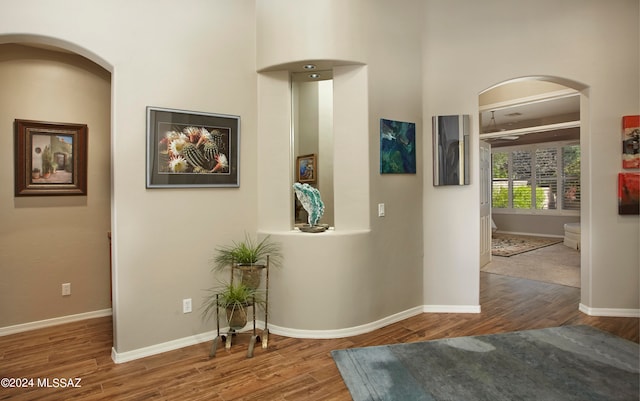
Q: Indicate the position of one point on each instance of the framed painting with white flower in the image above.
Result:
(190, 149)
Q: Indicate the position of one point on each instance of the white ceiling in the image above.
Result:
(532, 121)
(541, 110)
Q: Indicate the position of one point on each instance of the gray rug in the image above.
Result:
(559, 363)
(556, 264)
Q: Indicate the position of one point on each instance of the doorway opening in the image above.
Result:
(60, 243)
(530, 177)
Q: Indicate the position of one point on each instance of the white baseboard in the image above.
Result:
(451, 309)
(346, 332)
(609, 312)
(121, 357)
(19, 328)
(529, 234)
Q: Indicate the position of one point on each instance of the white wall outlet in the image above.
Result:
(66, 289)
(186, 305)
(380, 209)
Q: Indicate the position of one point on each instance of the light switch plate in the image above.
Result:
(186, 305)
(66, 289)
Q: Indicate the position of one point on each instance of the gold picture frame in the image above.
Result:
(307, 169)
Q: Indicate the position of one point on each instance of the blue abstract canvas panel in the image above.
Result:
(397, 147)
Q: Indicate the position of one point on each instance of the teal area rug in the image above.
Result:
(559, 363)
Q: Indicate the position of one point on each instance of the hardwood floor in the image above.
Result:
(290, 369)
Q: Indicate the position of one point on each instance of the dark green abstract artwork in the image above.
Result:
(397, 147)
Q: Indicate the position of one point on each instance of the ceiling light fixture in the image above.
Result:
(309, 67)
(493, 126)
(314, 76)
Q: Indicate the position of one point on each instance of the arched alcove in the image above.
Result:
(54, 80)
(319, 259)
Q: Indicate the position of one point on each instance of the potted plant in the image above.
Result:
(249, 257)
(47, 162)
(234, 298)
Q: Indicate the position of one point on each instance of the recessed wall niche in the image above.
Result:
(312, 114)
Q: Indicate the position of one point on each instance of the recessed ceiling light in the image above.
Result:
(309, 67)
(314, 75)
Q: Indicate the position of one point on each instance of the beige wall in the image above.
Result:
(189, 55)
(47, 241)
(481, 44)
(406, 62)
(370, 267)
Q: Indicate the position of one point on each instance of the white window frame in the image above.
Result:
(532, 149)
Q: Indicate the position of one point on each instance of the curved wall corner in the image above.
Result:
(287, 31)
(325, 284)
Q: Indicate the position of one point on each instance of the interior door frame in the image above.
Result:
(485, 203)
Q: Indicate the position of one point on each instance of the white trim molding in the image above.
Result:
(121, 357)
(609, 312)
(346, 332)
(451, 309)
(19, 328)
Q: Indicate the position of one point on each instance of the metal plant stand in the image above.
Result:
(230, 333)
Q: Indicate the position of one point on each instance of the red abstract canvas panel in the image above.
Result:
(631, 141)
(629, 193)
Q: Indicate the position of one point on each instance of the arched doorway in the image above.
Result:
(58, 240)
(534, 124)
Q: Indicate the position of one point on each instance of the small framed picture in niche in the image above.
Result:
(307, 169)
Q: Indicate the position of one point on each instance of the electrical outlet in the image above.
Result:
(186, 305)
(66, 289)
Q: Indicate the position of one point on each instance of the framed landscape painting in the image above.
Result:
(188, 149)
(50, 158)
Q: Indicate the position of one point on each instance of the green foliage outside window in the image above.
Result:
(554, 167)
(521, 197)
(500, 198)
(500, 165)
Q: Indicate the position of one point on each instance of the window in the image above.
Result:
(541, 177)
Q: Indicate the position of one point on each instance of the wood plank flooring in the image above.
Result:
(290, 369)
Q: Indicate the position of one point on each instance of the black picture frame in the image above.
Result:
(190, 149)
